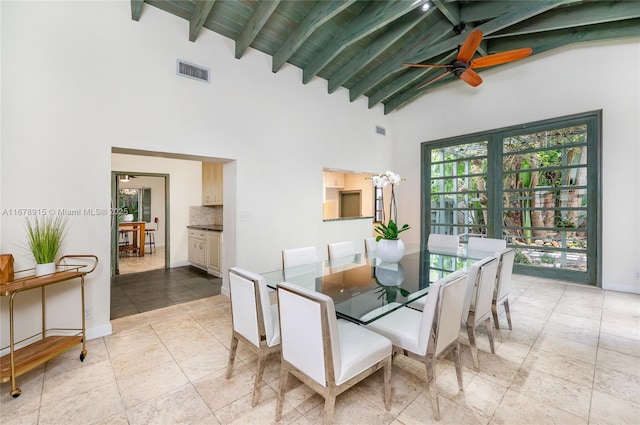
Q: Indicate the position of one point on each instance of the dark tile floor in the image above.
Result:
(139, 292)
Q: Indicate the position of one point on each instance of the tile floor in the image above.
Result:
(133, 264)
(135, 293)
(573, 357)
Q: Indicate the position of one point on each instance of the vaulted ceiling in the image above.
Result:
(361, 45)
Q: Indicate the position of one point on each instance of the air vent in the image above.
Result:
(380, 130)
(192, 71)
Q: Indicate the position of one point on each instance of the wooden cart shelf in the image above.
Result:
(21, 360)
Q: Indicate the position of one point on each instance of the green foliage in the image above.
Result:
(547, 259)
(521, 258)
(389, 231)
(45, 237)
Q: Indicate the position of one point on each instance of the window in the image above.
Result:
(533, 185)
(347, 195)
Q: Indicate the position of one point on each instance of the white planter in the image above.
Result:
(390, 250)
(45, 269)
(127, 218)
(390, 276)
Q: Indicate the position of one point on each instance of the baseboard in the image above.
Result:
(630, 289)
(99, 331)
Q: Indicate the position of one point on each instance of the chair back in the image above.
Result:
(298, 256)
(473, 278)
(443, 243)
(251, 311)
(481, 304)
(370, 245)
(505, 269)
(449, 313)
(309, 332)
(341, 249)
(484, 247)
(429, 311)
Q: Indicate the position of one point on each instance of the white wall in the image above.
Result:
(79, 78)
(574, 79)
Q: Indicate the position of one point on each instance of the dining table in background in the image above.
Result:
(137, 228)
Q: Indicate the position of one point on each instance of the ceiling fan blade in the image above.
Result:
(435, 79)
(469, 46)
(500, 58)
(426, 65)
(471, 77)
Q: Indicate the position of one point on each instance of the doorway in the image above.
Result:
(141, 198)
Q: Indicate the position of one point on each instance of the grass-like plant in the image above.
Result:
(45, 237)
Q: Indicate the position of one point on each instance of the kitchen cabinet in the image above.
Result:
(333, 179)
(198, 248)
(211, 183)
(214, 263)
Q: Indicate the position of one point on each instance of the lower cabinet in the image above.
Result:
(214, 263)
(198, 248)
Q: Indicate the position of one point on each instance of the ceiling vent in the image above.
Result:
(192, 71)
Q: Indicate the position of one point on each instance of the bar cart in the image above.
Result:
(21, 360)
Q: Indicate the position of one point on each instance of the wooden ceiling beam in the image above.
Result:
(373, 18)
(199, 17)
(136, 9)
(393, 64)
(321, 13)
(258, 19)
(366, 56)
(489, 27)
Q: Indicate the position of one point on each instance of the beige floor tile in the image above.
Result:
(83, 407)
(623, 385)
(420, 412)
(69, 383)
(30, 384)
(609, 410)
(180, 406)
(554, 391)
(350, 408)
(573, 333)
(151, 383)
(569, 348)
(217, 391)
(618, 361)
(204, 363)
(519, 409)
(620, 344)
(132, 362)
(561, 366)
(133, 339)
(481, 395)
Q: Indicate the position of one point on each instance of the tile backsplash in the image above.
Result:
(205, 215)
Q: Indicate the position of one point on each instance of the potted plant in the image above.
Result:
(44, 238)
(390, 246)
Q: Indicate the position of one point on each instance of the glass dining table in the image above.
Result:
(364, 288)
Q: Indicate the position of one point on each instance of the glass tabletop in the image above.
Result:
(364, 289)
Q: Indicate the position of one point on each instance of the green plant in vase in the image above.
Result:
(390, 246)
(44, 239)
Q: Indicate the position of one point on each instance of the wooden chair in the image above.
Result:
(327, 354)
(255, 321)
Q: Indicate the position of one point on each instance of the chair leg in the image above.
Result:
(262, 360)
(329, 406)
(433, 390)
(487, 324)
(508, 312)
(232, 355)
(494, 310)
(456, 361)
(472, 341)
(387, 384)
(284, 375)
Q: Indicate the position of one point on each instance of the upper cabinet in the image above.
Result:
(211, 183)
(333, 179)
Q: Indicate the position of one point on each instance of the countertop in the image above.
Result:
(209, 227)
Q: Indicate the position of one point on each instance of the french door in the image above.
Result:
(535, 185)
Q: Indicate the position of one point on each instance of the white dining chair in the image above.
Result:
(370, 245)
(295, 257)
(429, 334)
(254, 319)
(484, 247)
(340, 249)
(503, 284)
(418, 303)
(447, 244)
(478, 300)
(327, 354)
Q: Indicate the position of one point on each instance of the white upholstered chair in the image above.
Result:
(327, 354)
(447, 244)
(429, 334)
(255, 321)
(503, 284)
(478, 300)
(485, 247)
(295, 257)
(370, 245)
(340, 249)
(418, 304)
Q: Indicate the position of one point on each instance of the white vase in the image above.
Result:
(390, 250)
(127, 218)
(393, 275)
(45, 269)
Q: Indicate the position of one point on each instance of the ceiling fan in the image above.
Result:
(463, 67)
